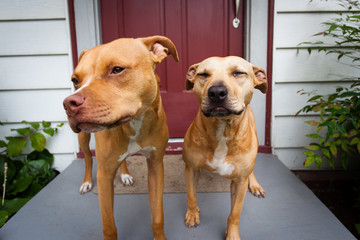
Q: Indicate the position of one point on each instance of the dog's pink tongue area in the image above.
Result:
(125, 119)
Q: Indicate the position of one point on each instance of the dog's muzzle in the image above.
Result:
(217, 103)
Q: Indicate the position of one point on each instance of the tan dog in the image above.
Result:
(117, 96)
(222, 138)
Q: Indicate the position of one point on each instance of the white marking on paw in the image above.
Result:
(85, 187)
(218, 163)
(126, 179)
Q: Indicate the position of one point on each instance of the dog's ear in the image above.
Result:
(82, 54)
(190, 76)
(160, 47)
(260, 79)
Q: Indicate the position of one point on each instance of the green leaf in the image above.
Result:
(2, 144)
(14, 205)
(46, 124)
(358, 147)
(4, 216)
(333, 150)
(60, 125)
(15, 146)
(38, 141)
(21, 184)
(49, 131)
(318, 161)
(309, 160)
(22, 131)
(357, 226)
(354, 141)
(314, 98)
(309, 153)
(353, 133)
(336, 135)
(313, 136)
(45, 154)
(341, 118)
(38, 165)
(312, 122)
(33, 124)
(313, 146)
(341, 129)
(326, 153)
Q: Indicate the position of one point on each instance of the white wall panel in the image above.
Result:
(34, 9)
(290, 66)
(34, 72)
(34, 105)
(293, 29)
(286, 100)
(33, 37)
(290, 132)
(307, 5)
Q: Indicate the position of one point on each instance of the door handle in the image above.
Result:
(236, 20)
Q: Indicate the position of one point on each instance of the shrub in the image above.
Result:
(24, 175)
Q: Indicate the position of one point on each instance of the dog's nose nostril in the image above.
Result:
(73, 102)
(217, 93)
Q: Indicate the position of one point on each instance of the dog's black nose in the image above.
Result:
(217, 94)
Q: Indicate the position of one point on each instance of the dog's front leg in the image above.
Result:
(156, 187)
(84, 140)
(192, 216)
(238, 191)
(105, 180)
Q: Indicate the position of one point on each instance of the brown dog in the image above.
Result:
(222, 138)
(117, 96)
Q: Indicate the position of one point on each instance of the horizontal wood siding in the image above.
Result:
(35, 68)
(295, 22)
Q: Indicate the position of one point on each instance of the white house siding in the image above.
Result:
(35, 67)
(295, 22)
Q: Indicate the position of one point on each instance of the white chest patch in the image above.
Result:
(133, 147)
(218, 163)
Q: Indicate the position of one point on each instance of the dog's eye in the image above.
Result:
(238, 73)
(117, 70)
(75, 81)
(203, 75)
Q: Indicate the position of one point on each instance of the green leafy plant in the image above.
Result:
(344, 31)
(340, 116)
(24, 175)
(339, 111)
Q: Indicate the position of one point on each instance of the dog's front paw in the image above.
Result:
(232, 233)
(192, 217)
(85, 187)
(127, 179)
(257, 190)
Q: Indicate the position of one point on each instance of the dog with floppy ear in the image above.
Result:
(118, 98)
(222, 138)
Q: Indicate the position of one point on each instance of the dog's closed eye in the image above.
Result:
(238, 73)
(203, 75)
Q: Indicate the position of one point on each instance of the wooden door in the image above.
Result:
(198, 28)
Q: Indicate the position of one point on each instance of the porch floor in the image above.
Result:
(290, 211)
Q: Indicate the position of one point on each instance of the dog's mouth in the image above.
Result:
(92, 127)
(220, 111)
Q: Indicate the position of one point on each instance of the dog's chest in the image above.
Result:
(218, 163)
(133, 147)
